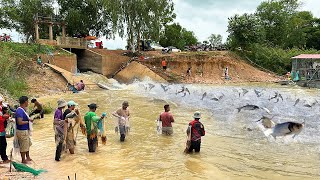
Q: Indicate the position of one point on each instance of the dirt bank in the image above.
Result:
(44, 82)
(136, 70)
(206, 68)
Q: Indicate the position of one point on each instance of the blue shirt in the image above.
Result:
(21, 114)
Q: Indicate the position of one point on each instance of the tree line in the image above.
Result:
(274, 33)
(130, 19)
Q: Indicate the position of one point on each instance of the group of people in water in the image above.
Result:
(67, 117)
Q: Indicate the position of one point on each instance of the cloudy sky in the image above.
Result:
(205, 17)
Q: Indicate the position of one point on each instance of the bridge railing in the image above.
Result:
(71, 42)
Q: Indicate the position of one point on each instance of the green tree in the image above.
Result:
(244, 30)
(88, 16)
(19, 15)
(142, 18)
(275, 16)
(215, 39)
(313, 34)
(175, 35)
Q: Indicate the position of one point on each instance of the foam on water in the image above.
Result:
(225, 113)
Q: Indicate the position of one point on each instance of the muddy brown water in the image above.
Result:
(147, 155)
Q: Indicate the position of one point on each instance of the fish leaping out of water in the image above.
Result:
(187, 90)
(248, 107)
(284, 129)
(251, 107)
(165, 88)
(151, 86)
(266, 122)
(204, 95)
(244, 91)
(181, 91)
(297, 101)
(275, 96)
(258, 93)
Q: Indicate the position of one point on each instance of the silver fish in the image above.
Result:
(286, 128)
(280, 96)
(204, 95)
(187, 90)
(151, 86)
(244, 92)
(165, 88)
(248, 107)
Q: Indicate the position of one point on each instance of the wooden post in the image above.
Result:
(50, 32)
(63, 30)
(36, 27)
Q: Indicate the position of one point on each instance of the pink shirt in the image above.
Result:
(166, 119)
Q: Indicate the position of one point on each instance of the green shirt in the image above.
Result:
(88, 119)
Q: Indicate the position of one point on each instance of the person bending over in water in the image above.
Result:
(167, 119)
(123, 116)
(37, 108)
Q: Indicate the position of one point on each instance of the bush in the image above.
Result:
(27, 50)
(13, 67)
(47, 108)
(274, 59)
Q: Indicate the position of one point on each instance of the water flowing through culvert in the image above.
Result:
(229, 150)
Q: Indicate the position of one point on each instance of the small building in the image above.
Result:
(306, 69)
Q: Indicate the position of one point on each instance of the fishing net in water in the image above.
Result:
(16, 175)
(24, 168)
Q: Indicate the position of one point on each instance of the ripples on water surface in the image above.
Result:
(229, 150)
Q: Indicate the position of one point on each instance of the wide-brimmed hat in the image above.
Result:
(197, 115)
(92, 106)
(72, 103)
(61, 103)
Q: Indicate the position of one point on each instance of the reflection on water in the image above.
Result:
(228, 151)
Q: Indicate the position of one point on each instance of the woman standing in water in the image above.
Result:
(58, 123)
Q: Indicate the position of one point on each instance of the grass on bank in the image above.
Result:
(16, 65)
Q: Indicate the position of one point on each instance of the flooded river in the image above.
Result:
(233, 148)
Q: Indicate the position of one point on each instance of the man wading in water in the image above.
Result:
(195, 131)
(122, 124)
(167, 119)
(92, 121)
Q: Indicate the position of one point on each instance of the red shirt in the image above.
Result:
(166, 119)
(164, 63)
(197, 130)
(2, 119)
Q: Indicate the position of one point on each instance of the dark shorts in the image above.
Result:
(164, 67)
(195, 145)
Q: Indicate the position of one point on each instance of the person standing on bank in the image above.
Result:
(23, 129)
(167, 119)
(92, 121)
(58, 123)
(195, 131)
(122, 124)
(164, 64)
